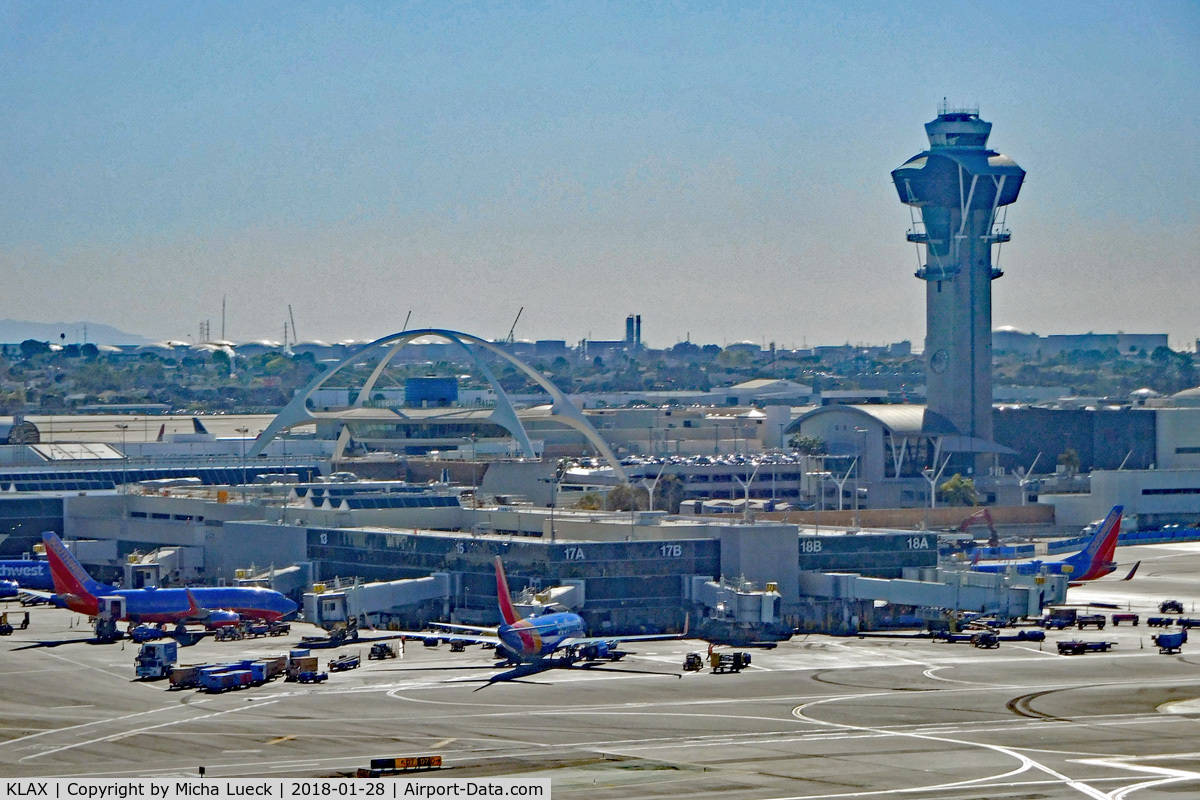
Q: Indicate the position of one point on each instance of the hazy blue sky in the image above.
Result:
(722, 169)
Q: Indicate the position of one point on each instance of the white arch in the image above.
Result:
(297, 412)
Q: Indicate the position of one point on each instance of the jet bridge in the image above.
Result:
(372, 604)
(1008, 595)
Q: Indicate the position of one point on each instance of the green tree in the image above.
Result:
(221, 361)
(591, 501)
(669, 493)
(959, 491)
(32, 347)
(627, 498)
(1069, 461)
(809, 445)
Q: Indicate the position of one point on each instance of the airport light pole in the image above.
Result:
(933, 478)
(243, 432)
(122, 427)
(858, 469)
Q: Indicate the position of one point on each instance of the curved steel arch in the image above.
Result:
(296, 412)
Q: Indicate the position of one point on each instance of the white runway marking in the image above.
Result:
(136, 731)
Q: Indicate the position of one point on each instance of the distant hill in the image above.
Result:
(13, 331)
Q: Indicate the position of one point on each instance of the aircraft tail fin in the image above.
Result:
(507, 610)
(162, 430)
(193, 607)
(198, 426)
(1097, 558)
(69, 576)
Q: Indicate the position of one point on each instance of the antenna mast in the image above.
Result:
(293, 318)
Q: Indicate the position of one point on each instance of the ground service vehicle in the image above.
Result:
(1078, 648)
(1160, 622)
(381, 650)
(1170, 607)
(311, 677)
(1170, 643)
(155, 659)
(147, 633)
(1132, 619)
(730, 662)
(343, 663)
(1186, 622)
(693, 663)
(220, 679)
(184, 676)
(1095, 620)
(600, 650)
(1059, 618)
(985, 640)
(298, 664)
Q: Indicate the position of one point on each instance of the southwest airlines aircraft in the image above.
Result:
(529, 640)
(1093, 561)
(212, 607)
(27, 573)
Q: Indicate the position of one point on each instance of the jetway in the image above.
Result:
(961, 590)
(291, 580)
(372, 603)
(732, 602)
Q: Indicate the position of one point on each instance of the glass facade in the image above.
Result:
(874, 555)
(22, 520)
(72, 480)
(628, 584)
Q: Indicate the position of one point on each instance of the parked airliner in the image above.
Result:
(530, 640)
(212, 607)
(27, 573)
(1093, 561)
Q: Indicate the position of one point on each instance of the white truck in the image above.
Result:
(155, 659)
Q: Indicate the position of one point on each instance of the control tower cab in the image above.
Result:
(957, 188)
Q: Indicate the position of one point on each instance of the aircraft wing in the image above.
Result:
(579, 641)
(481, 629)
(473, 638)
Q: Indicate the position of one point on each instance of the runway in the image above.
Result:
(818, 717)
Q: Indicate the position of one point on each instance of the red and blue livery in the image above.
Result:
(213, 607)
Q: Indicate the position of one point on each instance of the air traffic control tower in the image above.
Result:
(957, 188)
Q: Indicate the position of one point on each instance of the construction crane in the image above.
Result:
(982, 516)
(510, 339)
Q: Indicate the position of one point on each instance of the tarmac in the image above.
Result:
(816, 717)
